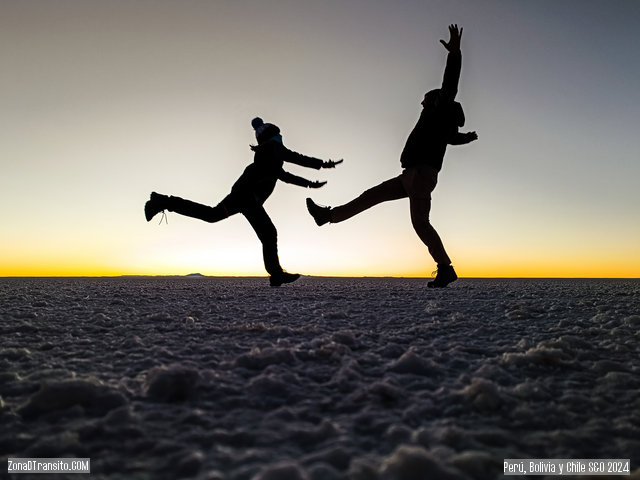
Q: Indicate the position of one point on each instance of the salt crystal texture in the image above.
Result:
(323, 379)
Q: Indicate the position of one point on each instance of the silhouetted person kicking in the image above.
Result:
(249, 193)
(422, 160)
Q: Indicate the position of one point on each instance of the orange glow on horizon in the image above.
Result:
(245, 260)
(465, 271)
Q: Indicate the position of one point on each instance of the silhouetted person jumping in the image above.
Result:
(249, 193)
(422, 160)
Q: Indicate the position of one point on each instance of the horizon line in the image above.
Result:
(197, 275)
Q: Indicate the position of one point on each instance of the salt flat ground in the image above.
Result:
(226, 378)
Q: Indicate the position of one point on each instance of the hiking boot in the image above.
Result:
(157, 203)
(283, 277)
(320, 214)
(446, 275)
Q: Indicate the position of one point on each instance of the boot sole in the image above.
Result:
(278, 283)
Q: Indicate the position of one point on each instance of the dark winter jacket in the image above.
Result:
(438, 124)
(261, 176)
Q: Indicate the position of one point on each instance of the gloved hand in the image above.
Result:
(317, 184)
(331, 163)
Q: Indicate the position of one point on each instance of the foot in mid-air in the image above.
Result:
(284, 277)
(320, 214)
(155, 205)
(446, 275)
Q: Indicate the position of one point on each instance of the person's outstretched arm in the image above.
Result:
(454, 64)
(309, 162)
(299, 181)
(462, 138)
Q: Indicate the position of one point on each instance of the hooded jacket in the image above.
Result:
(260, 177)
(438, 123)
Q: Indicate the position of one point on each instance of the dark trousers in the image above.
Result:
(246, 204)
(415, 183)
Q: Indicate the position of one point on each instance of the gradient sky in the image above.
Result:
(104, 101)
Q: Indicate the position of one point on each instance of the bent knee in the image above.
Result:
(421, 223)
(268, 234)
(214, 217)
(420, 210)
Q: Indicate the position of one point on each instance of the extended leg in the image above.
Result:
(158, 203)
(197, 210)
(386, 191)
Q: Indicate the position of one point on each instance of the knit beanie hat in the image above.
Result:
(264, 131)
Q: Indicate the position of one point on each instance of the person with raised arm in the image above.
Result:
(421, 161)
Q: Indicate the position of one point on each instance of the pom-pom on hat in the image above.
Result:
(264, 131)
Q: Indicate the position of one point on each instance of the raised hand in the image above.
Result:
(455, 35)
(331, 163)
